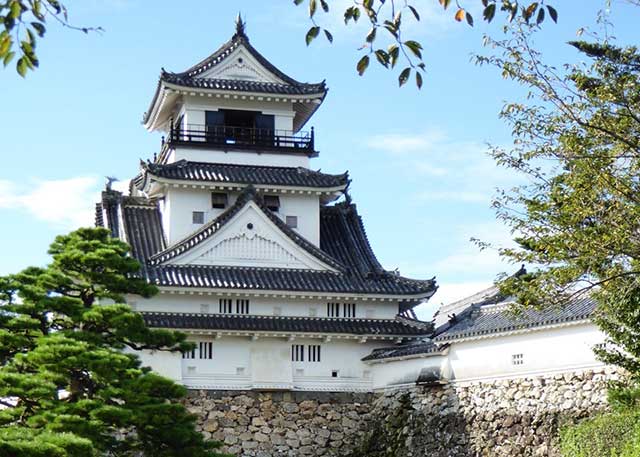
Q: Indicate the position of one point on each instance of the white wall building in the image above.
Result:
(482, 339)
(274, 281)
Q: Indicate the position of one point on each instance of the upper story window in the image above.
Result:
(242, 306)
(219, 200)
(517, 359)
(203, 350)
(292, 221)
(227, 306)
(333, 309)
(312, 353)
(349, 309)
(197, 217)
(240, 127)
(272, 202)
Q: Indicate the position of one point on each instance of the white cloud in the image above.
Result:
(64, 203)
(458, 170)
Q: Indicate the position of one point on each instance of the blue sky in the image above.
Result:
(421, 177)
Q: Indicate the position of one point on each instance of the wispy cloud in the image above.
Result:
(63, 203)
(459, 170)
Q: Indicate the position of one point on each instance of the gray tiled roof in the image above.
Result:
(479, 321)
(406, 350)
(343, 244)
(287, 324)
(189, 77)
(244, 174)
(240, 85)
(285, 279)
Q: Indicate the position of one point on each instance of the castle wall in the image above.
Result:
(517, 417)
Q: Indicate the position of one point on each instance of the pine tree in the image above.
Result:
(70, 382)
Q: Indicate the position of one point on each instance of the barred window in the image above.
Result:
(297, 352)
(517, 359)
(226, 305)
(205, 349)
(349, 309)
(242, 306)
(333, 309)
(197, 217)
(314, 353)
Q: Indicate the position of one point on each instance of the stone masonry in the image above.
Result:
(514, 418)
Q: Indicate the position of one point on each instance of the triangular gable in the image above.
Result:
(240, 64)
(250, 235)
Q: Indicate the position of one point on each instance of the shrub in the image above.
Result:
(615, 434)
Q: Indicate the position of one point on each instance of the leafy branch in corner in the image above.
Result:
(387, 17)
(22, 22)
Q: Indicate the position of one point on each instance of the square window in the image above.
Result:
(272, 202)
(197, 217)
(517, 359)
(334, 373)
(292, 221)
(240, 370)
(219, 200)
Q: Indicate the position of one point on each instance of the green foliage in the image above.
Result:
(22, 22)
(607, 435)
(577, 219)
(389, 18)
(69, 383)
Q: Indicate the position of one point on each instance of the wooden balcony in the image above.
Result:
(243, 138)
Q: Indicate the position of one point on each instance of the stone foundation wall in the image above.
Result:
(291, 424)
(507, 418)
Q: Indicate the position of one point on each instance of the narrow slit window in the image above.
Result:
(297, 353)
(219, 200)
(313, 353)
(205, 350)
(189, 354)
(349, 309)
(197, 217)
(272, 202)
(226, 305)
(242, 306)
(333, 309)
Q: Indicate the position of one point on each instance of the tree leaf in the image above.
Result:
(8, 58)
(418, 80)
(371, 35)
(21, 67)
(445, 3)
(540, 17)
(553, 13)
(393, 51)
(404, 76)
(459, 16)
(324, 5)
(328, 35)
(362, 65)
(415, 12)
(415, 47)
(489, 12)
(313, 4)
(312, 34)
(382, 57)
(469, 19)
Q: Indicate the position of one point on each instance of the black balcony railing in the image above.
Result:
(243, 137)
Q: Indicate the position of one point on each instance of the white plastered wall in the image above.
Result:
(264, 306)
(180, 203)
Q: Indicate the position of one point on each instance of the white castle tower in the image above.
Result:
(274, 281)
